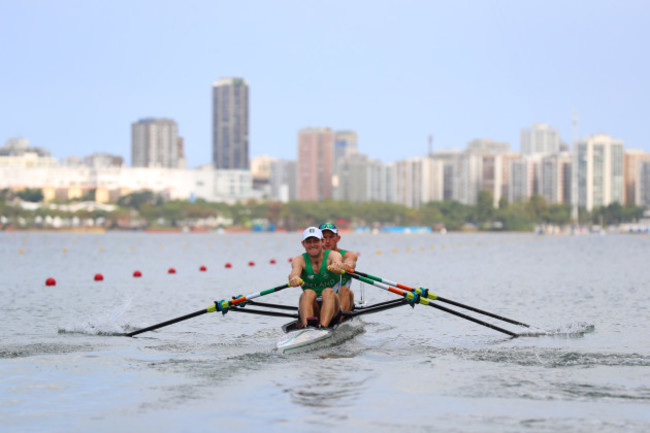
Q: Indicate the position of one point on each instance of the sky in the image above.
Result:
(75, 74)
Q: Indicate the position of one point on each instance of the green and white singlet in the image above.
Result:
(346, 278)
(322, 280)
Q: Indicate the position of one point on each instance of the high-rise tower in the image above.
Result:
(154, 143)
(315, 158)
(230, 124)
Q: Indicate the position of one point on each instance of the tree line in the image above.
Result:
(153, 210)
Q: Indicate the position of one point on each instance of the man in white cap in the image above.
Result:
(319, 271)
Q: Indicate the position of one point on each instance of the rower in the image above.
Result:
(331, 239)
(319, 271)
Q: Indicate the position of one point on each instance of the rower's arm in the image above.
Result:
(350, 261)
(335, 262)
(297, 266)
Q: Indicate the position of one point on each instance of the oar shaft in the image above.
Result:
(441, 299)
(425, 301)
(168, 322)
(222, 306)
(472, 319)
(478, 310)
(226, 304)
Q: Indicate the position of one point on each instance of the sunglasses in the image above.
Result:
(327, 226)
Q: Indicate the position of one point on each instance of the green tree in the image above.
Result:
(138, 198)
(33, 195)
(537, 209)
(485, 207)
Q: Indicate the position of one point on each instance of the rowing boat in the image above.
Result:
(299, 339)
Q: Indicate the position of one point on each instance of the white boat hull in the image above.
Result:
(303, 339)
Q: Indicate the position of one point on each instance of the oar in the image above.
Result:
(222, 306)
(431, 295)
(412, 297)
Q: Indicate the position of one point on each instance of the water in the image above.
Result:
(583, 368)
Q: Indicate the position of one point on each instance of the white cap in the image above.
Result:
(312, 232)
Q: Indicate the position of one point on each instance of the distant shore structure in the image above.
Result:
(230, 124)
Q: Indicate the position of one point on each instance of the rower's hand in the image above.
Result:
(295, 281)
(339, 268)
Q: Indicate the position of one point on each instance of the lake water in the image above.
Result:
(64, 369)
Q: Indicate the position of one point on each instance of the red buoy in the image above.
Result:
(50, 282)
(272, 261)
(228, 265)
(137, 274)
(251, 263)
(99, 277)
(203, 269)
(171, 271)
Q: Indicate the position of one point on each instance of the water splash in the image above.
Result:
(571, 330)
(104, 323)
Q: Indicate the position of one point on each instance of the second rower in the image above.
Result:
(331, 239)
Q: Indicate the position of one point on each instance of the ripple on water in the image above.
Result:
(37, 349)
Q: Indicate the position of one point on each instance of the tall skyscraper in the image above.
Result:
(154, 143)
(230, 124)
(600, 171)
(315, 160)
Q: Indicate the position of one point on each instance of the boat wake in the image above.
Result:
(571, 330)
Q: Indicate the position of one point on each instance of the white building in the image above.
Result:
(418, 180)
(488, 146)
(540, 140)
(524, 175)
(283, 180)
(110, 183)
(600, 171)
(155, 143)
(555, 178)
(359, 179)
(27, 160)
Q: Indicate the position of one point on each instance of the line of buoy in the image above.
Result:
(137, 274)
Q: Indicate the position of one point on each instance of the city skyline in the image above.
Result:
(394, 72)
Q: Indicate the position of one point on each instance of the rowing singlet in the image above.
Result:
(345, 279)
(322, 280)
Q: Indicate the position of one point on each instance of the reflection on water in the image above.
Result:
(326, 385)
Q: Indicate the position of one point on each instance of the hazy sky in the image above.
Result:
(76, 74)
